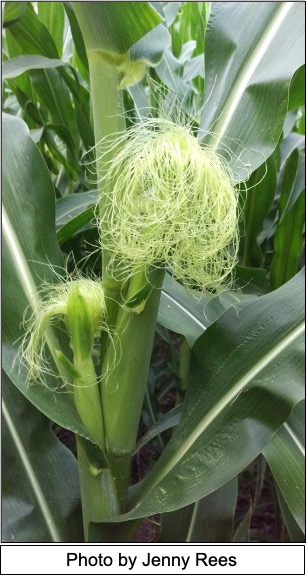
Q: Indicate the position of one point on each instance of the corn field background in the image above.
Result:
(220, 406)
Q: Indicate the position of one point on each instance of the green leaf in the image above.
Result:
(298, 184)
(257, 199)
(288, 239)
(128, 36)
(82, 113)
(295, 533)
(190, 313)
(290, 143)
(237, 399)
(301, 121)
(194, 67)
(114, 28)
(29, 248)
(54, 95)
(73, 212)
(12, 12)
(72, 206)
(285, 454)
(63, 133)
(180, 312)
(23, 81)
(214, 515)
(150, 47)
(15, 67)
(78, 41)
(75, 225)
(193, 21)
(112, 532)
(210, 520)
(252, 280)
(51, 14)
(170, 71)
(168, 420)
(40, 486)
(246, 85)
(170, 11)
(297, 89)
(32, 36)
(57, 151)
(174, 526)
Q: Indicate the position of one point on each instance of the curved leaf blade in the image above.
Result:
(169, 420)
(297, 89)
(114, 28)
(179, 312)
(128, 36)
(289, 235)
(190, 314)
(285, 454)
(41, 496)
(209, 520)
(73, 212)
(298, 185)
(52, 16)
(29, 249)
(246, 85)
(78, 41)
(12, 12)
(257, 200)
(32, 35)
(238, 397)
(15, 67)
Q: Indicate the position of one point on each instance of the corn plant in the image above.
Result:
(153, 186)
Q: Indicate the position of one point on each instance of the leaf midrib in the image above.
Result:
(20, 263)
(299, 445)
(246, 74)
(35, 485)
(226, 400)
(27, 284)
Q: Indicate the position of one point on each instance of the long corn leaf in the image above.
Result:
(114, 28)
(285, 454)
(127, 35)
(15, 67)
(40, 488)
(260, 46)
(237, 399)
(29, 250)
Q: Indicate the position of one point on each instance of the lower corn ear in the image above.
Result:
(80, 305)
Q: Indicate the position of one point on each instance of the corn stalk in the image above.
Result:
(128, 355)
